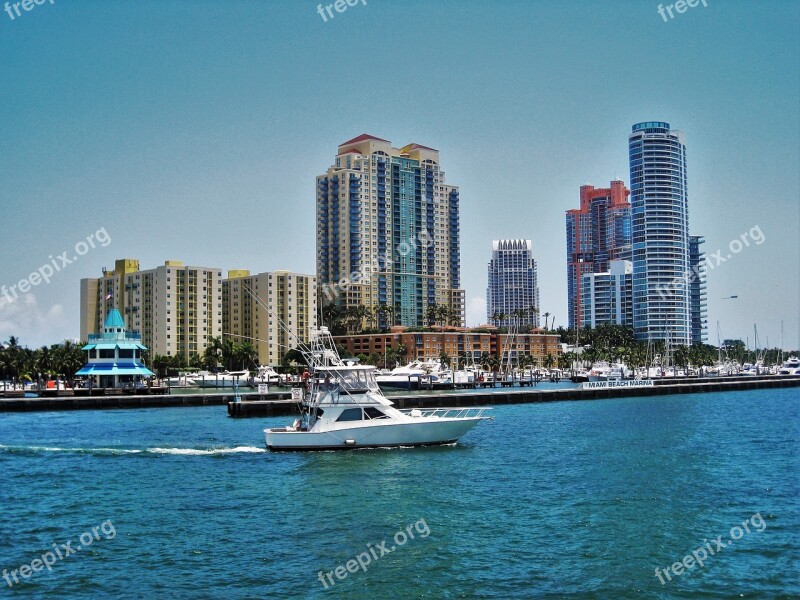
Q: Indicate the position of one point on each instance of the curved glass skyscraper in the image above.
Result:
(660, 233)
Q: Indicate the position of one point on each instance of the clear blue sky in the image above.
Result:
(194, 130)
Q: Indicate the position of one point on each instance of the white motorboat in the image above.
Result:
(343, 408)
(430, 370)
(464, 377)
(599, 371)
(603, 371)
(182, 380)
(225, 379)
(266, 374)
(790, 367)
(618, 371)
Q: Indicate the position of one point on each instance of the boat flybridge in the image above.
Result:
(343, 408)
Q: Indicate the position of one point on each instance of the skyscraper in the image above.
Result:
(388, 232)
(660, 232)
(606, 297)
(512, 289)
(282, 316)
(697, 289)
(597, 233)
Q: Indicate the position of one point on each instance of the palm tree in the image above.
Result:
(160, 365)
(453, 317)
(432, 314)
(246, 355)
(546, 316)
(219, 352)
(68, 358)
(389, 312)
(375, 315)
(195, 362)
(44, 362)
(565, 360)
(498, 318)
(13, 358)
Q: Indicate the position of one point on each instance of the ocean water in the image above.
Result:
(558, 500)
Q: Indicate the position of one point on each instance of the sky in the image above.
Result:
(193, 130)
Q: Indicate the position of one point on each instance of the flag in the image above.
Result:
(109, 296)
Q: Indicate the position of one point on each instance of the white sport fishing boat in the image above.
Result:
(343, 408)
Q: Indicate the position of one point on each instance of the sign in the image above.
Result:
(297, 394)
(604, 385)
(263, 388)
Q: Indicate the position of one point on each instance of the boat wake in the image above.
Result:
(207, 452)
(122, 451)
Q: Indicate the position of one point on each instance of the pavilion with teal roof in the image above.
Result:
(114, 356)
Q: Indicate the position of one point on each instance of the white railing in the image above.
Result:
(447, 413)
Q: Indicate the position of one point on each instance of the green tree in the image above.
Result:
(244, 356)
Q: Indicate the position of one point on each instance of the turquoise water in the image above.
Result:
(557, 500)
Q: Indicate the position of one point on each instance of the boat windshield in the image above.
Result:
(352, 380)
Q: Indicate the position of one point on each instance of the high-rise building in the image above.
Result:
(597, 233)
(175, 308)
(388, 232)
(660, 233)
(697, 290)
(606, 297)
(274, 312)
(512, 291)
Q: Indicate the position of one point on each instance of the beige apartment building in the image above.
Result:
(388, 232)
(273, 311)
(175, 308)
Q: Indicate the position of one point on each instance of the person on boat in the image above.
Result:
(327, 385)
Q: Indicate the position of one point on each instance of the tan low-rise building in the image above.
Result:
(463, 343)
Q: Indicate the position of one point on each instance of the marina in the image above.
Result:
(528, 396)
(280, 403)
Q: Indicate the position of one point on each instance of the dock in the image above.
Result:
(280, 403)
(532, 395)
(98, 402)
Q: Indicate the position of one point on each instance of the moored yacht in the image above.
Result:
(790, 367)
(599, 371)
(266, 374)
(343, 408)
(225, 379)
(431, 370)
(183, 379)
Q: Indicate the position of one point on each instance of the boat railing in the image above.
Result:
(448, 413)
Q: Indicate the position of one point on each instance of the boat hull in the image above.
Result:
(221, 383)
(426, 433)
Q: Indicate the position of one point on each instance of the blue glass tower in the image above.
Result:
(660, 233)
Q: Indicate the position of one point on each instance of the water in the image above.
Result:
(555, 500)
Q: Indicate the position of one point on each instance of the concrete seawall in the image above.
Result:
(143, 401)
(526, 396)
(279, 403)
